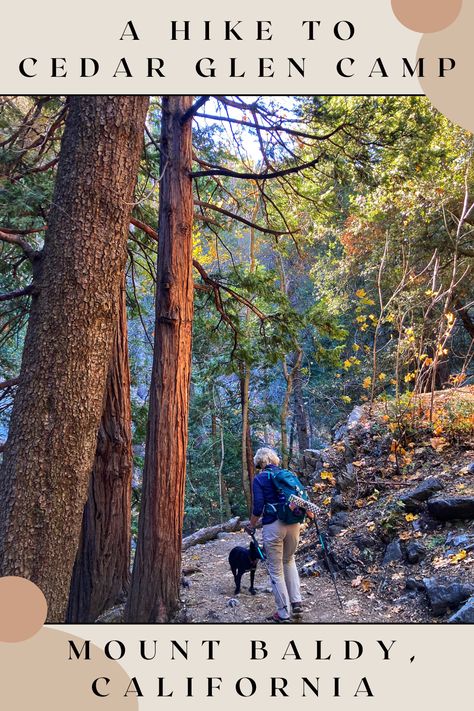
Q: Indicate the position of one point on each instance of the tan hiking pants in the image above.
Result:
(281, 541)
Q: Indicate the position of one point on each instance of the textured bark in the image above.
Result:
(300, 413)
(58, 406)
(247, 454)
(101, 573)
(248, 469)
(154, 593)
(464, 315)
(289, 374)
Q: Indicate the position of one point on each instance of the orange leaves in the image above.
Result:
(438, 443)
(454, 559)
(364, 584)
(328, 477)
(457, 557)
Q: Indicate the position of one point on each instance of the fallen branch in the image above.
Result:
(210, 533)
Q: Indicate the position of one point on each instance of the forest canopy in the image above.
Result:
(330, 265)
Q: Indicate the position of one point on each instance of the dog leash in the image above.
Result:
(263, 557)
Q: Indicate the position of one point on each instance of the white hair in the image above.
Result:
(265, 456)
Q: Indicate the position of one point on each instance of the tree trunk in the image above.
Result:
(464, 315)
(301, 415)
(58, 406)
(101, 573)
(154, 593)
(289, 374)
(247, 458)
(248, 469)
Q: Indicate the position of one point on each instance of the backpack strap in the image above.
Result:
(270, 507)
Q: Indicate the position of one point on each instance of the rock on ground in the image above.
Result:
(465, 615)
(446, 593)
(451, 508)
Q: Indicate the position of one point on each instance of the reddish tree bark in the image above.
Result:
(101, 575)
(154, 593)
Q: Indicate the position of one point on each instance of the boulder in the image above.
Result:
(363, 541)
(335, 530)
(413, 498)
(393, 553)
(457, 542)
(415, 552)
(414, 584)
(450, 508)
(345, 477)
(446, 593)
(354, 417)
(465, 615)
(340, 433)
(340, 518)
(311, 461)
(337, 503)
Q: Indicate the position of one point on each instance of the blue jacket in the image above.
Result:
(264, 492)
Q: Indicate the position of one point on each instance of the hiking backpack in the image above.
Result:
(286, 484)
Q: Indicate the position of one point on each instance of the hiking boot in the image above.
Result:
(297, 609)
(275, 618)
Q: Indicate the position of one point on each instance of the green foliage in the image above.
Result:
(339, 281)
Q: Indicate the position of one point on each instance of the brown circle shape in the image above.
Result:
(23, 609)
(426, 15)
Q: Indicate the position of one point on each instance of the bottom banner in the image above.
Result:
(238, 667)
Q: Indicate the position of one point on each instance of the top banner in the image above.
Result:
(338, 47)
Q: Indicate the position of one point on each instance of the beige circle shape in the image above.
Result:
(39, 674)
(23, 609)
(426, 15)
(451, 95)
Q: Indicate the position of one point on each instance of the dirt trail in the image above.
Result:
(211, 592)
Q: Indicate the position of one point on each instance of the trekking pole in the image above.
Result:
(328, 561)
(263, 558)
(312, 508)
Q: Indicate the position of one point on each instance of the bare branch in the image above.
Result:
(259, 228)
(217, 286)
(192, 110)
(266, 175)
(18, 242)
(9, 383)
(16, 294)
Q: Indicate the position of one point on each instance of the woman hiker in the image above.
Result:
(280, 540)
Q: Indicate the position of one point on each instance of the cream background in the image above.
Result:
(439, 677)
(91, 28)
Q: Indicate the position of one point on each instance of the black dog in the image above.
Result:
(242, 559)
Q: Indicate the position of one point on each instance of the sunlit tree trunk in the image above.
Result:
(154, 593)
